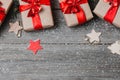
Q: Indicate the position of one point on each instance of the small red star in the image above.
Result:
(35, 46)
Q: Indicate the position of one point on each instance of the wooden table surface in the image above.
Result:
(66, 55)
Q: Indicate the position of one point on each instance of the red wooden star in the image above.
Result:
(35, 46)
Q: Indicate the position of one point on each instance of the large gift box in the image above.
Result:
(4, 8)
(75, 11)
(36, 14)
(109, 10)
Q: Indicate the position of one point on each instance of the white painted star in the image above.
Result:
(16, 28)
(93, 37)
(115, 47)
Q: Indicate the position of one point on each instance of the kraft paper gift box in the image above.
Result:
(4, 8)
(75, 11)
(108, 11)
(36, 14)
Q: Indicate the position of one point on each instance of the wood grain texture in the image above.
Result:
(66, 55)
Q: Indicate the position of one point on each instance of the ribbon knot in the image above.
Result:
(114, 3)
(34, 7)
(71, 6)
(2, 12)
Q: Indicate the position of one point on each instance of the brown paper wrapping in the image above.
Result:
(71, 19)
(45, 16)
(101, 10)
(6, 5)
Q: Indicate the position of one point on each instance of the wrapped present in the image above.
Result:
(109, 10)
(4, 8)
(75, 11)
(36, 14)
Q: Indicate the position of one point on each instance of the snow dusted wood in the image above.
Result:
(66, 55)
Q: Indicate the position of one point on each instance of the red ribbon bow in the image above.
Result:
(2, 12)
(34, 7)
(113, 2)
(73, 6)
(110, 15)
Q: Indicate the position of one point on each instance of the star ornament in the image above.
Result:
(16, 28)
(115, 47)
(93, 37)
(35, 46)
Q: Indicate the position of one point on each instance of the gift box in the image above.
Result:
(4, 8)
(75, 11)
(109, 10)
(36, 14)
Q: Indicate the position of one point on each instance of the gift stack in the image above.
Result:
(4, 8)
(109, 10)
(36, 14)
(75, 11)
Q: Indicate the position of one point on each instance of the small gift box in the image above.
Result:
(75, 11)
(4, 8)
(36, 14)
(109, 10)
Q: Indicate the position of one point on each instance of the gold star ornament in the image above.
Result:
(93, 37)
(16, 28)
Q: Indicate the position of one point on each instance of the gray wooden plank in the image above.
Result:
(59, 60)
(36, 77)
(66, 55)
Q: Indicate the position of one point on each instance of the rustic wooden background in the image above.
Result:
(66, 55)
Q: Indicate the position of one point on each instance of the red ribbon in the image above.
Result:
(2, 12)
(34, 7)
(110, 15)
(73, 7)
